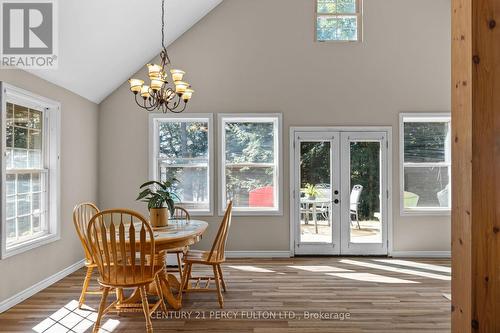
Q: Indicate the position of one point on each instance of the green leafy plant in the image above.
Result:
(311, 190)
(158, 194)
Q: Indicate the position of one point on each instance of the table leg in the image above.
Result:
(315, 218)
(306, 214)
(169, 281)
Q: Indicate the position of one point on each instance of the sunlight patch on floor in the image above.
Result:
(369, 277)
(71, 319)
(253, 269)
(396, 269)
(415, 264)
(321, 269)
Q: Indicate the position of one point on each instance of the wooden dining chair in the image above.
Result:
(82, 213)
(122, 245)
(215, 257)
(180, 214)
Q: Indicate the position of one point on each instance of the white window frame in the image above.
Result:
(278, 163)
(52, 144)
(427, 117)
(358, 14)
(154, 120)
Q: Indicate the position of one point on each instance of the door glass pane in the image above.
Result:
(315, 192)
(365, 208)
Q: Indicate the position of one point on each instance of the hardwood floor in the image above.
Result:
(378, 295)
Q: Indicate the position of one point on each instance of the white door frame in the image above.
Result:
(348, 248)
(332, 248)
(293, 213)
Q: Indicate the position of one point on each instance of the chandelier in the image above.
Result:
(161, 94)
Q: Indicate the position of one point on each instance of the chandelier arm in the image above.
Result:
(144, 104)
(181, 110)
(176, 103)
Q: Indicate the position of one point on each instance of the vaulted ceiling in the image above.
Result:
(103, 42)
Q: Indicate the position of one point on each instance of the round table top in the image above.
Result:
(179, 233)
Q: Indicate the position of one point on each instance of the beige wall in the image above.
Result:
(78, 183)
(260, 56)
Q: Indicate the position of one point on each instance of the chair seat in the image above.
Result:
(200, 257)
(126, 276)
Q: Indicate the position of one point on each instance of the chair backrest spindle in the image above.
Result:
(181, 213)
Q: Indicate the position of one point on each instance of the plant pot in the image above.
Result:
(158, 217)
(312, 197)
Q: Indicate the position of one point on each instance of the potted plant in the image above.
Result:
(160, 199)
(311, 191)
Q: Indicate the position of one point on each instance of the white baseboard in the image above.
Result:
(257, 254)
(30, 291)
(421, 254)
(286, 254)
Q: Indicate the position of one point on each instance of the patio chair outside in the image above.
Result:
(355, 195)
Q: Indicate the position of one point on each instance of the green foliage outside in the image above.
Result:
(181, 144)
(247, 144)
(336, 6)
(336, 27)
(424, 142)
(249, 158)
(365, 170)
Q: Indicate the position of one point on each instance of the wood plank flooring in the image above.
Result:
(273, 295)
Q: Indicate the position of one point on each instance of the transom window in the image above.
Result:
(250, 163)
(30, 170)
(426, 163)
(338, 20)
(182, 150)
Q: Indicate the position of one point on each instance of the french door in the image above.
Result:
(340, 192)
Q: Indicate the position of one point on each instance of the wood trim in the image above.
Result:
(475, 154)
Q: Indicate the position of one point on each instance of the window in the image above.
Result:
(182, 149)
(338, 20)
(250, 163)
(425, 163)
(30, 170)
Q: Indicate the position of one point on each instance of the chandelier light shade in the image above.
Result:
(162, 93)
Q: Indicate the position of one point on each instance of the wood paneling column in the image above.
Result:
(476, 165)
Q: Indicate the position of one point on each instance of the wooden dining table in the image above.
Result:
(177, 234)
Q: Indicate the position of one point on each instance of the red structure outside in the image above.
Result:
(261, 197)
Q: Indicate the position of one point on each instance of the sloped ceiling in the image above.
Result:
(103, 42)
